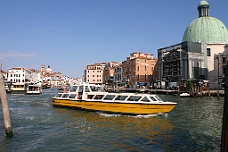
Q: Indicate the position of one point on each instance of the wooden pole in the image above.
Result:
(224, 140)
(5, 109)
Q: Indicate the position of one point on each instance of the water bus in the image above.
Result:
(33, 89)
(92, 97)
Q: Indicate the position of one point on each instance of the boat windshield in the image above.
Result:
(158, 98)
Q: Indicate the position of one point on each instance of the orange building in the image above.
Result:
(139, 69)
(109, 70)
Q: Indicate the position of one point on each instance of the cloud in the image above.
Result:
(15, 54)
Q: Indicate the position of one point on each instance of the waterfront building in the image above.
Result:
(183, 61)
(221, 61)
(54, 79)
(19, 75)
(108, 73)
(195, 57)
(94, 73)
(117, 78)
(138, 69)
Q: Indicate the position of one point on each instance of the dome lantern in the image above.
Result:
(203, 8)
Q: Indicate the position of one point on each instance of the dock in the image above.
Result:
(170, 92)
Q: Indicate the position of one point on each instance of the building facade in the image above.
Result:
(108, 73)
(196, 57)
(19, 75)
(184, 61)
(138, 69)
(94, 73)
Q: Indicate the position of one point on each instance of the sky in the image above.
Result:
(67, 35)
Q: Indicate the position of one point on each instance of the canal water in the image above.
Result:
(194, 125)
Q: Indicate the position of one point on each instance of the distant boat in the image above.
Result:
(18, 88)
(45, 86)
(185, 95)
(33, 89)
(8, 87)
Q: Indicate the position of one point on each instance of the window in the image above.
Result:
(208, 52)
(109, 97)
(145, 99)
(58, 95)
(120, 97)
(154, 99)
(98, 97)
(134, 98)
(65, 95)
(72, 96)
(86, 89)
(90, 96)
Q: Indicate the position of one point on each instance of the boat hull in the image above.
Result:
(116, 107)
(33, 93)
(18, 92)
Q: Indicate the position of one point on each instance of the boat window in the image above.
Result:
(87, 89)
(72, 96)
(80, 89)
(109, 97)
(145, 99)
(95, 89)
(73, 89)
(65, 95)
(90, 96)
(134, 98)
(98, 97)
(58, 95)
(158, 98)
(154, 99)
(120, 97)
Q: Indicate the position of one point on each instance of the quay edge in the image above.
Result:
(172, 92)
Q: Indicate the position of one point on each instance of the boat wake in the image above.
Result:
(109, 115)
(133, 116)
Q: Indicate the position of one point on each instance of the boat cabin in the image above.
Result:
(95, 93)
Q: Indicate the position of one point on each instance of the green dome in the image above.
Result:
(206, 29)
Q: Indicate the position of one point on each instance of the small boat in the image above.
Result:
(33, 89)
(184, 94)
(92, 97)
(8, 87)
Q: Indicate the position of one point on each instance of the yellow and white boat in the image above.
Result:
(91, 97)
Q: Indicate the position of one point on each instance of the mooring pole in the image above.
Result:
(5, 109)
(224, 140)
